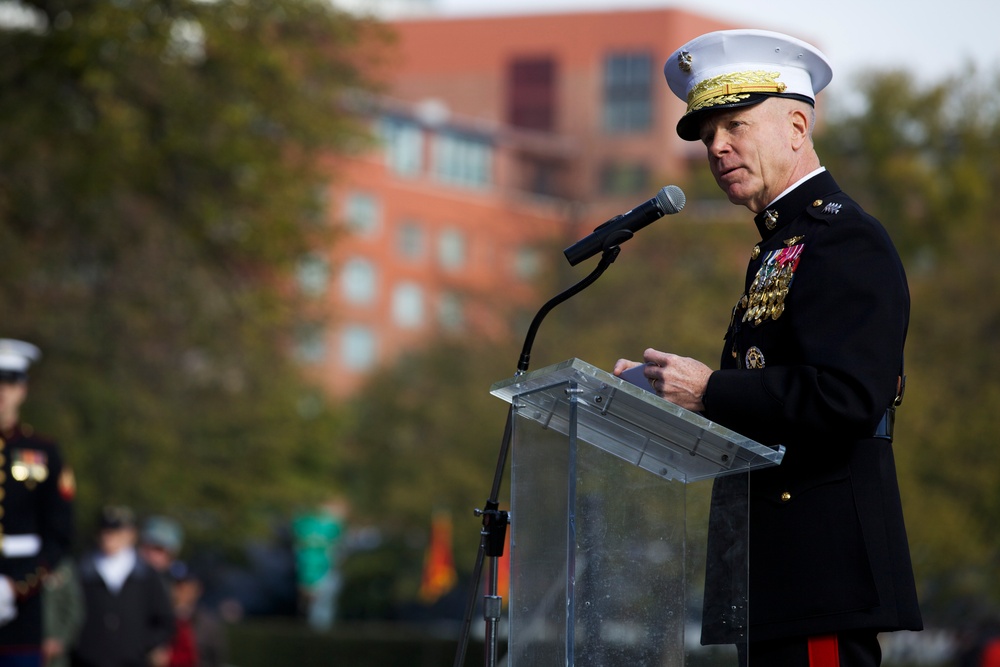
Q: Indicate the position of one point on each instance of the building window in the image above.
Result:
(362, 214)
(357, 348)
(359, 281)
(531, 93)
(411, 241)
(310, 343)
(451, 249)
(403, 141)
(451, 314)
(313, 274)
(462, 160)
(624, 179)
(408, 305)
(628, 92)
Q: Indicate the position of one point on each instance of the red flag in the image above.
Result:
(439, 566)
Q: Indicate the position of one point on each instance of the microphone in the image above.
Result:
(621, 228)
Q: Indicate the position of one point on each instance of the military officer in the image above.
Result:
(35, 512)
(812, 360)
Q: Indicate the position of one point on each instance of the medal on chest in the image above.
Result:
(769, 289)
(29, 466)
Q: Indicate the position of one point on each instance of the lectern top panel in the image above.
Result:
(631, 423)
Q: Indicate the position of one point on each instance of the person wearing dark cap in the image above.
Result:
(160, 542)
(128, 621)
(200, 639)
(36, 517)
(812, 360)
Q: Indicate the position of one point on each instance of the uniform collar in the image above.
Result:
(787, 207)
(15, 432)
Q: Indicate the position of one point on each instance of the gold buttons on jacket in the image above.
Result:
(785, 496)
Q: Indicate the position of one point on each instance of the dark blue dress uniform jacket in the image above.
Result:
(35, 499)
(812, 361)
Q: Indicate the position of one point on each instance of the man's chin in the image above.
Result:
(737, 197)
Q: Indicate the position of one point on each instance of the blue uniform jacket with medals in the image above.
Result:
(36, 526)
(812, 361)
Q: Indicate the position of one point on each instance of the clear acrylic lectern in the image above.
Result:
(609, 525)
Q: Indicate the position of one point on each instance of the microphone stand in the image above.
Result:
(495, 520)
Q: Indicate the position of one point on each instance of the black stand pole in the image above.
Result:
(495, 520)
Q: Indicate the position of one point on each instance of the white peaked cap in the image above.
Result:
(16, 355)
(735, 68)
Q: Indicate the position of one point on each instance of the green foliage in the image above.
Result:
(425, 435)
(159, 172)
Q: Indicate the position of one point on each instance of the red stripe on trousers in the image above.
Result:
(824, 652)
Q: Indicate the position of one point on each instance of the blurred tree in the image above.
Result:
(926, 161)
(160, 172)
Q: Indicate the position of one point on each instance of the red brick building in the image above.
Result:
(496, 133)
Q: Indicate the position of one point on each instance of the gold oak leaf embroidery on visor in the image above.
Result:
(728, 88)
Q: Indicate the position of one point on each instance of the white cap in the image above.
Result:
(735, 68)
(16, 356)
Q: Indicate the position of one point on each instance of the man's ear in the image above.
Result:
(799, 128)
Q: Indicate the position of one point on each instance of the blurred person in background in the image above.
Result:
(36, 518)
(200, 637)
(129, 621)
(62, 607)
(317, 536)
(160, 543)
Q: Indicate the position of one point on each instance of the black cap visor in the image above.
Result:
(689, 126)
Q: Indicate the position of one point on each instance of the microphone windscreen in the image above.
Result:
(671, 199)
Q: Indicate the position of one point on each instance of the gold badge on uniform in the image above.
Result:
(754, 358)
(770, 287)
(770, 218)
(684, 60)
